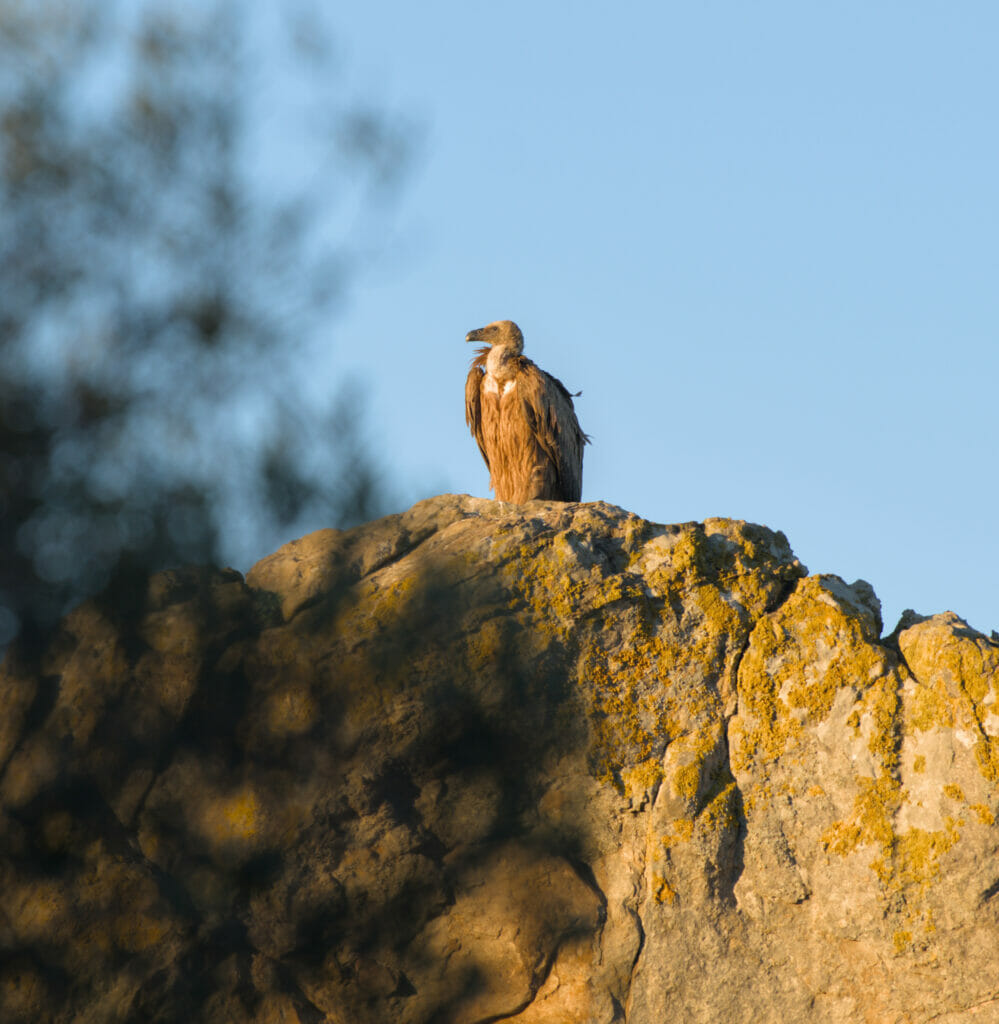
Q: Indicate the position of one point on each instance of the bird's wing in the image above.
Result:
(473, 401)
(550, 413)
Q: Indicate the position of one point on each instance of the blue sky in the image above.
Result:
(761, 238)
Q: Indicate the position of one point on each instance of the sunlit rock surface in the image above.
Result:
(480, 762)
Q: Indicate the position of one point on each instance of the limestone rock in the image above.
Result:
(481, 762)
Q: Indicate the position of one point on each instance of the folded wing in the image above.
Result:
(548, 409)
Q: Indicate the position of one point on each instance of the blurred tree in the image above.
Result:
(163, 263)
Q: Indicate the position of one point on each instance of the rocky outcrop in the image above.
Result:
(485, 762)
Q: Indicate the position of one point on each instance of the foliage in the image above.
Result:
(161, 275)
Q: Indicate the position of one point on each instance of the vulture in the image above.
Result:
(523, 420)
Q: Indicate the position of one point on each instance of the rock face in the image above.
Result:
(483, 762)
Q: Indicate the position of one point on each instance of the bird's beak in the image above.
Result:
(475, 335)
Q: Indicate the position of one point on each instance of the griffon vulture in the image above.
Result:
(523, 421)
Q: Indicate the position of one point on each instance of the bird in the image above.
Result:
(523, 420)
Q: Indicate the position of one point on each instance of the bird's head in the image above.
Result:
(502, 333)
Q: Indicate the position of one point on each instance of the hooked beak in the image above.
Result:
(475, 335)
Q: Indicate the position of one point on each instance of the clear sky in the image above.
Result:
(760, 237)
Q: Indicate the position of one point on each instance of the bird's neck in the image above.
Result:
(501, 362)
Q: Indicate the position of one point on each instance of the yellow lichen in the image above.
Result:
(486, 646)
(643, 777)
(798, 663)
(954, 792)
(687, 780)
(682, 832)
(662, 891)
(983, 814)
(540, 574)
(634, 706)
(719, 812)
(799, 659)
(987, 756)
(905, 863)
(871, 821)
(955, 671)
(928, 709)
(680, 636)
(390, 601)
(881, 702)
(912, 860)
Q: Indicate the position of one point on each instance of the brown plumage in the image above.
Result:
(523, 420)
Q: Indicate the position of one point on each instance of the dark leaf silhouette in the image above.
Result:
(159, 293)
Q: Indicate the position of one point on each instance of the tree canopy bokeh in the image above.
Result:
(160, 291)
